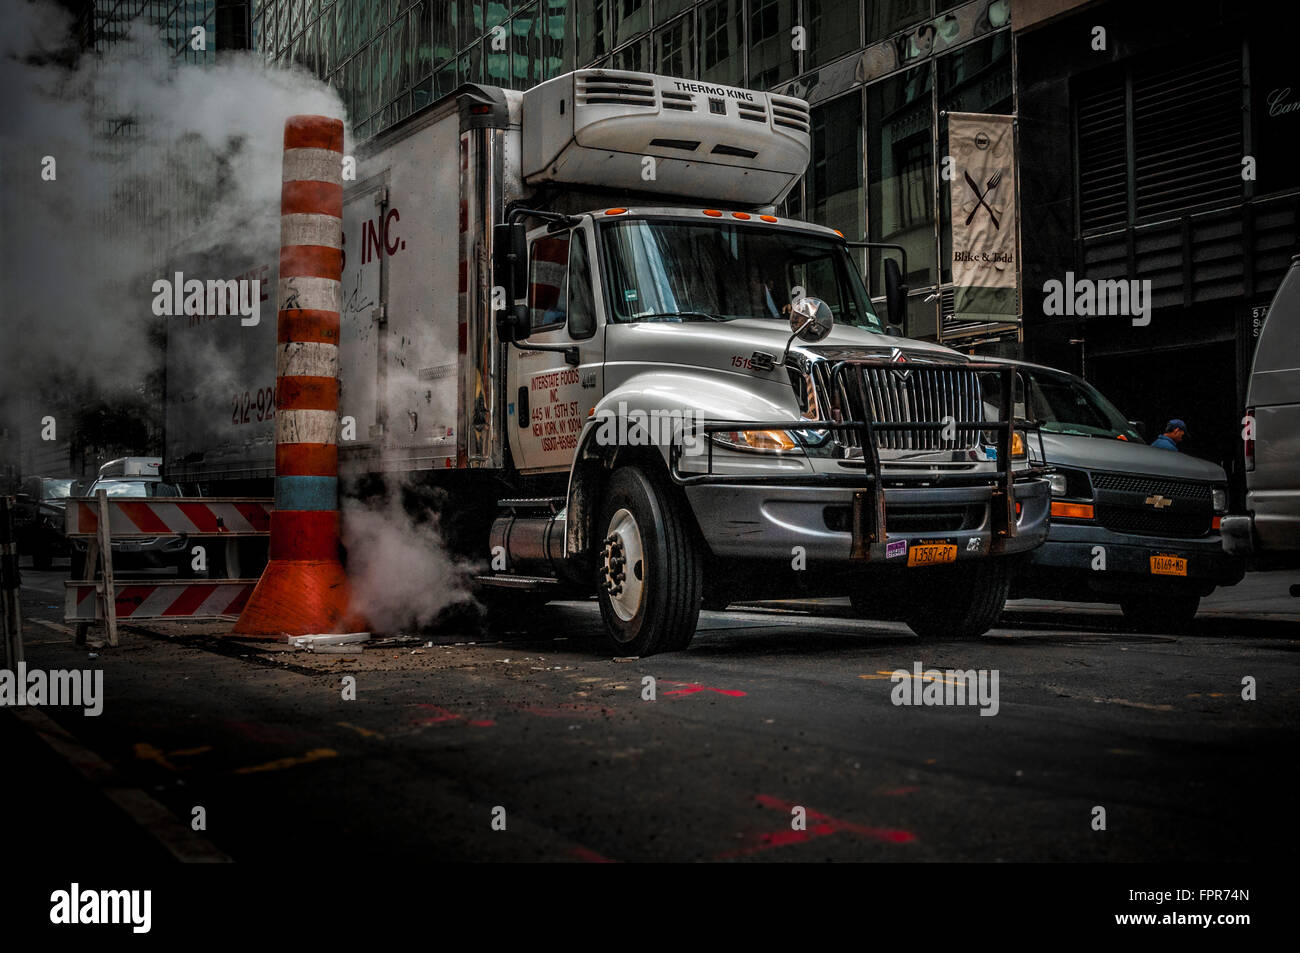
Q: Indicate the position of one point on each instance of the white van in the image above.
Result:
(1269, 532)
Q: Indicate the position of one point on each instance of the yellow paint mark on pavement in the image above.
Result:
(147, 752)
(363, 732)
(1128, 704)
(316, 754)
(882, 675)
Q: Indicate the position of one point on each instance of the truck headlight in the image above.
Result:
(1059, 483)
(756, 441)
(1219, 497)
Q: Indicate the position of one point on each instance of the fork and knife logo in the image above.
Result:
(982, 197)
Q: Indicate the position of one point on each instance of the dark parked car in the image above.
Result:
(38, 518)
(1131, 524)
(137, 477)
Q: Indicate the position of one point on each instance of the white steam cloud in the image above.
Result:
(117, 166)
(401, 575)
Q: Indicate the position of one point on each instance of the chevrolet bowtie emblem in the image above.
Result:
(1158, 501)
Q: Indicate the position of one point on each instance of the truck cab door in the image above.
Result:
(551, 393)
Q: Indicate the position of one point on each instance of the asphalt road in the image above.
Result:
(771, 710)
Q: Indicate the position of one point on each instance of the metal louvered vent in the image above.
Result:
(624, 91)
(755, 112)
(791, 113)
(1103, 179)
(682, 101)
(1187, 132)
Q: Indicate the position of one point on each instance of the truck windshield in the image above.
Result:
(714, 271)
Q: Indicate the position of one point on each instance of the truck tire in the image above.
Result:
(964, 602)
(883, 601)
(649, 572)
(1165, 614)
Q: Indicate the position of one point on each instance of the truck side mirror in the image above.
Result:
(513, 323)
(895, 292)
(510, 259)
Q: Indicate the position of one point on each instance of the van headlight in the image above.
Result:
(1219, 497)
(1059, 484)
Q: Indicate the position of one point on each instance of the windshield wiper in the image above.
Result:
(659, 315)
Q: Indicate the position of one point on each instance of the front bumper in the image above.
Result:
(766, 521)
(1071, 552)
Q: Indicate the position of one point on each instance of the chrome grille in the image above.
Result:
(915, 394)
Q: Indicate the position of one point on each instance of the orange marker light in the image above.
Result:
(1072, 511)
(768, 218)
(713, 212)
(838, 232)
(1215, 523)
(615, 211)
(742, 215)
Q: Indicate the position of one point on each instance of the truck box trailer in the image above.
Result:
(577, 310)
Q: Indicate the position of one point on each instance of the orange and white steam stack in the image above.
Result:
(304, 589)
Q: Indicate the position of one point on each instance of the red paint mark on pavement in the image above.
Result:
(690, 688)
(819, 825)
(589, 856)
(442, 716)
(562, 710)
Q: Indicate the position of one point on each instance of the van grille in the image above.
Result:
(1149, 486)
(914, 393)
(1123, 519)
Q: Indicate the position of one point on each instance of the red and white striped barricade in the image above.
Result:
(104, 518)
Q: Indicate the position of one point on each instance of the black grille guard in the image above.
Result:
(870, 483)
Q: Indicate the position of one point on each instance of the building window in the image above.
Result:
(834, 29)
(675, 49)
(631, 18)
(772, 56)
(526, 55)
(634, 56)
(887, 17)
(834, 180)
(722, 42)
(665, 10)
(901, 182)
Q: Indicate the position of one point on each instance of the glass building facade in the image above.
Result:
(879, 75)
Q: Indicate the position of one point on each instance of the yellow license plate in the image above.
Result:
(931, 554)
(1169, 565)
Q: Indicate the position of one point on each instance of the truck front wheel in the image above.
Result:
(649, 574)
(962, 602)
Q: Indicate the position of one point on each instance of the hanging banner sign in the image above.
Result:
(985, 220)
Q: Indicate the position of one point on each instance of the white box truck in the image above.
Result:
(576, 310)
